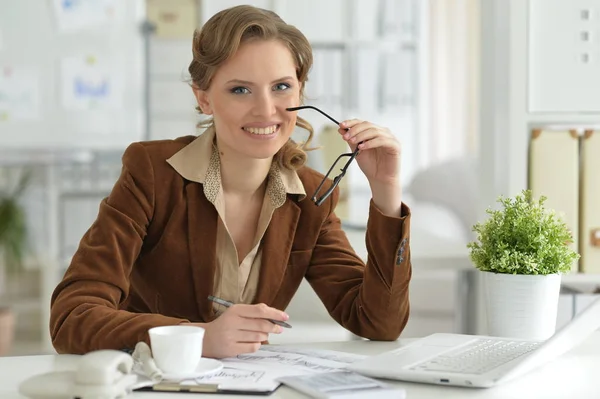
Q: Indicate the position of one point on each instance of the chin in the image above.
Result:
(265, 152)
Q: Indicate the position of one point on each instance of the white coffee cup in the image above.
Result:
(176, 349)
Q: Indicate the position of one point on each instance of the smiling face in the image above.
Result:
(248, 97)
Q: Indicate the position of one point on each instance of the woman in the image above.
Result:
(225, 214)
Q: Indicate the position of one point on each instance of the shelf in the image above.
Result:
(581, 278)
(21, 304)
(587, 120)
(382, 44)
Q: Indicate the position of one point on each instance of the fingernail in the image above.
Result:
(279, 329)
(285, 316)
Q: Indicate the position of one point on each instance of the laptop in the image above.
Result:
(476, 360)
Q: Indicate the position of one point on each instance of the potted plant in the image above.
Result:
(13, 242)
(522, 249)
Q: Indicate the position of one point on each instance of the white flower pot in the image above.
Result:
(521, 306)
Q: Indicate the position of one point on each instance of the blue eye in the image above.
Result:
(240, 90)
(281, 86)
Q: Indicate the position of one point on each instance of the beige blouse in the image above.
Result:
(234, 281)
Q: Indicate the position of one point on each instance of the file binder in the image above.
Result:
(554, 173)
(590, 203)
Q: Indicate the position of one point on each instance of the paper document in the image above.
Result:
(19, 94)
(90, 82)
(261, 370)
(73, 15)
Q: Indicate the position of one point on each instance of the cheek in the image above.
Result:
(290, 126)
(289, 98)
(228, 112)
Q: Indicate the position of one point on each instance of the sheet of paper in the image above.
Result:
(73, 15)
(272, 362)
(260, 371)
(90, 83)
(19, 94)
(339, 359)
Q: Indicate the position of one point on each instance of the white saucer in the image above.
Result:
(206, 366)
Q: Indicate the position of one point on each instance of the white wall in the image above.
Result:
(516, 36)
(509, 79)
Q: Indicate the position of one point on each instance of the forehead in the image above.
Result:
(258, 61)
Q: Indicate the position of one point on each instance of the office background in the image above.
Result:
(462, 83)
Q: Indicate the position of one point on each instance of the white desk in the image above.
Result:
(573, 375)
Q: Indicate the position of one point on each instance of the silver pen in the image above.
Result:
(228, 304)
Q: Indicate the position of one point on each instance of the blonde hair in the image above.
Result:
(219, 39)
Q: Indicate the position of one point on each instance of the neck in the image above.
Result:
(243, 177)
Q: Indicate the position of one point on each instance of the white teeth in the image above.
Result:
(261, 130)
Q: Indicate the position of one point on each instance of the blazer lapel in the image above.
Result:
(277, 244)
(202, 242)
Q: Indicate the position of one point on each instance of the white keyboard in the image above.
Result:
(477, 357)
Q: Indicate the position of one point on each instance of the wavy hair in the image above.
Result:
(222, 35)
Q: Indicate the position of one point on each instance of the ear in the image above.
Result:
(203, 100)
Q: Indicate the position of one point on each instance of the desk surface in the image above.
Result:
(573, 375)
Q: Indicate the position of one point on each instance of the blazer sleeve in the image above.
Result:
(85, 313)
(369, 300)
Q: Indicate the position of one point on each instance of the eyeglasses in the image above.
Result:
(351, 155)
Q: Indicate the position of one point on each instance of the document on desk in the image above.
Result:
(260, 371)
(264, 367)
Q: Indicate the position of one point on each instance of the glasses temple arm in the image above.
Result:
(316, 109)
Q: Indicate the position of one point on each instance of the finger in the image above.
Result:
(250, 336)
(348, 123)
(247, 347)
(262, 311)
(235, 319)
(364, 136)
(357, 129)
(381, 142)
(260, 325)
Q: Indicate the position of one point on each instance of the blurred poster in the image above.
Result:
(173, 18)
(90, 83)
(19, 94)
(72, 15)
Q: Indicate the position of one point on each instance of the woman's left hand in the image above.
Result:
(380, 151)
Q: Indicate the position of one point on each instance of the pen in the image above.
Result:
(228, 304)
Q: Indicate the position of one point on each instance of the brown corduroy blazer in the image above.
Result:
(149, 260)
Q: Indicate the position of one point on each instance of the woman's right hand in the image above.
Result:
(240, 329)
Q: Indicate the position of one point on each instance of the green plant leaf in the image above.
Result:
(523, 237)
(13, 226)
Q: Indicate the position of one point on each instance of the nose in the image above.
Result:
(264, 105)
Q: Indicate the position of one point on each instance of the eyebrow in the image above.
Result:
(246, 82)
